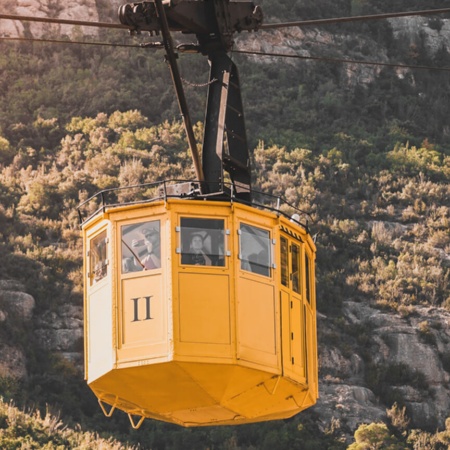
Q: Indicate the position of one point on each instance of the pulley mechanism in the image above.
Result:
(213, 22)
(210, 20)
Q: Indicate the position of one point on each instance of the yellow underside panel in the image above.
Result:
(195, 394)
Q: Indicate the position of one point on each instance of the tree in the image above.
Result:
(375, 436)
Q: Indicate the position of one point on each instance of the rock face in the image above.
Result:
(435, 32)
(12, 362)
(14, 300)
(304, 42)
(16, 307)
(55, 9)
(62, 332)
(388, 358)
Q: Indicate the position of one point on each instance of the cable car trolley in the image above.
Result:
(200, 304)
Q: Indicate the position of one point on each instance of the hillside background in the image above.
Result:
(364, 149)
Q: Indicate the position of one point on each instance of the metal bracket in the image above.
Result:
(133, 424)
(110, 412)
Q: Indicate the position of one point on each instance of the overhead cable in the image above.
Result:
(157, 45)
(335, 20)
(62, 41)
(314, 22)
(339, 60)
(80, 23)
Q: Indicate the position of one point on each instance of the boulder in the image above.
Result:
(12, 362)
(15, 301)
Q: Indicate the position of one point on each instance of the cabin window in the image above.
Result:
(98, 257)
(254, 250)
(308, 279)
(202, 241)
(141, 246)
(295, 275)
(284, 251)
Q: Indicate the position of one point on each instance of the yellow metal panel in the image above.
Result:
(136, 211)
(311, 349)
(161, 388)
(285, 330)
(271, 395)
(204, 322)
(180, 365)
(214, 378)
(296, 338)
(143, 318)
(257, 313)
(209, 415)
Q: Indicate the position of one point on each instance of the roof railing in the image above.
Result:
(185, 189)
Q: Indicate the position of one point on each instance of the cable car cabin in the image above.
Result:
(199, 312)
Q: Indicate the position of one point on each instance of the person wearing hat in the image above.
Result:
(196, 256)
(152, 260)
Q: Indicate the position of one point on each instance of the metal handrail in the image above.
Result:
(228, 194)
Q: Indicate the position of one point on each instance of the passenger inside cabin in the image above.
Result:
(99, 257)
(149, 259)
(99, 271)
(152, 258)
(196, 254)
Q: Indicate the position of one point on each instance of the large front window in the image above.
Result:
(202, 241)
(254, 249)
(141, 246)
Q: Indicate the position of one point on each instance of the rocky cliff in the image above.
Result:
(305, 42)
(56, 331)
(370, 358)
(16, 311)
(86, 10)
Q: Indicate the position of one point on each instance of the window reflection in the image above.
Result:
(141, 246)
(284, 250)
(202, 242)
(308, 280)
(295, 268)
(254, 249)
(98, 258)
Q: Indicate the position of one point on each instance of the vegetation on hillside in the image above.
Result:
(382, 222)
(31, 430)
(368, 164)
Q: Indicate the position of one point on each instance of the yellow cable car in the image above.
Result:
(200, 304)
(199, 312)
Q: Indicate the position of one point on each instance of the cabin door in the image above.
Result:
(292, 310)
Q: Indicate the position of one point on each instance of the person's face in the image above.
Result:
(197, 243)
(150, 241)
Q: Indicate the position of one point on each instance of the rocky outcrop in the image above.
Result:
(12, 362)
(62, 331)
(56, 331)
(55, 9)
(14, 300)
(393, 357)
(434, 31)
(16, 307)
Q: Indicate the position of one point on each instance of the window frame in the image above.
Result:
(133, 248)
(214, 234)
(98, 261)
(252, 262)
